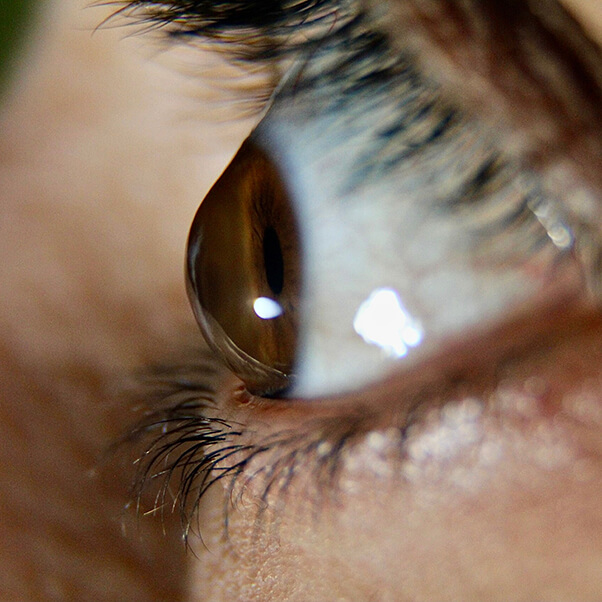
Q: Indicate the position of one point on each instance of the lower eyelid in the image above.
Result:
(261, 446)
(470, 368)
(528, 389)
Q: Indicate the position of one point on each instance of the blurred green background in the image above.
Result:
(16, 17)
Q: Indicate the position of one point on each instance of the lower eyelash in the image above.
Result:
(176, 401)
(182, 440)
(183, 445)
(184, 448)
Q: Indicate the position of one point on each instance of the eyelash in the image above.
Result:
(247, 35)
(183, 440)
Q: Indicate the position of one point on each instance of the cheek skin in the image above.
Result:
(515, 514)
(78, 309)
(536, 543)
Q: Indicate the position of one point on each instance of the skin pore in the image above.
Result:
(104, 158)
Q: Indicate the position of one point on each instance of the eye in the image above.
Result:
(356, 234)
(244, 272)
(391, 269)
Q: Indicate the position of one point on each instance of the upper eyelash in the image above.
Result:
(207, 17)
(249, 34)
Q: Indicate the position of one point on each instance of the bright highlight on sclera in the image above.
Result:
(383, 321)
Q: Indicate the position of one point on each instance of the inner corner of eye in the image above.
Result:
(244, 271)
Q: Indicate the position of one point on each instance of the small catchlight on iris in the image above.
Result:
(383, 321)
(266, 308)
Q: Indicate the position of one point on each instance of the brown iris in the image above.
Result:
(243, 257)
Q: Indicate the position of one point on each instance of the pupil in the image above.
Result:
(273, 261)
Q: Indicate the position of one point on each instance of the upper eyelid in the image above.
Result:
(255, 36)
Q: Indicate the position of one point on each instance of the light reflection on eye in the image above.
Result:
(266, 308)
(382, 320)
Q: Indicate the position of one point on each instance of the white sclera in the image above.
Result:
(382, 320)
(389, 273)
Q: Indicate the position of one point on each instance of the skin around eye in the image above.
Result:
(499, 494)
